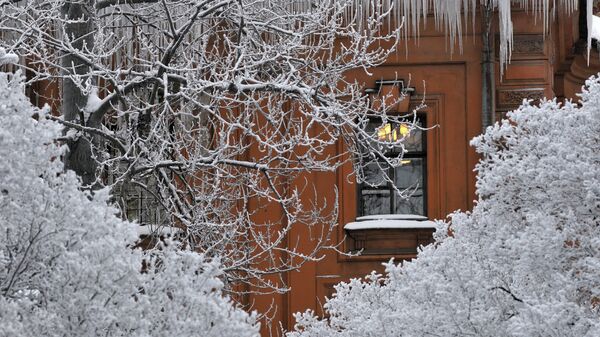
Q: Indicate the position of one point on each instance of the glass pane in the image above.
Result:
(414, 141)
(395, 131)
(374, 174)
(148, 211)
(410, 174)
(375, 202)
(415, 204)
(371, 129)
(371, 126)
(383, 133)
(132, 207)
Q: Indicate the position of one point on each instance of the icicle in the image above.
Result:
(448, 15)
(590, 14)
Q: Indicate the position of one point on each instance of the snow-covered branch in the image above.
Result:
(68, 266)
(193, 111)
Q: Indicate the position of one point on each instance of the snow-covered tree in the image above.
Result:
(68, 266)
(201, 108)
(524, 262)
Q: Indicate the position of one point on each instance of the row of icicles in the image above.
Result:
(450, 16)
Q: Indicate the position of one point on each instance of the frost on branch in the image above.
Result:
(199, 113)
(524, 262)
(67, 265)
(194, 112)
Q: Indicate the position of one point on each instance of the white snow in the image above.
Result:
(160, 230)
(93, 101)
(67, 267)
(595, 32)
(392, 217)
(72, 134)
(389, 224)
(7, 58)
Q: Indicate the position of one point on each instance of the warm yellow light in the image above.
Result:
(404, 130)
(387, 133)
(384, 133)
(405, 161)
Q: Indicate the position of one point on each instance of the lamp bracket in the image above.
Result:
(399, 82)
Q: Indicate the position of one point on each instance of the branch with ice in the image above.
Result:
(68, 266)
(202, 108)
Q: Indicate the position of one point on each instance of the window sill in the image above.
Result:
(387, 238)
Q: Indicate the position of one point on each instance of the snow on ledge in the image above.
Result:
(392, 217)
(389, 224)
(154, 230)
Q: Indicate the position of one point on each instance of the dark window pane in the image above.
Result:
(409, 177)
(414, 141)
(133, 207)
(415, 204)
(409, 174)
(375, 202)
(374, 175)
(371, 126)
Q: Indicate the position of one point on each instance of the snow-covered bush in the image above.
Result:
(67, 266)
(525, 262)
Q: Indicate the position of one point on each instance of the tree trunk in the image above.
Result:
(487, 67)
(80, 155)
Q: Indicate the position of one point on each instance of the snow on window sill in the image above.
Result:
(390, 221)
(392, 217)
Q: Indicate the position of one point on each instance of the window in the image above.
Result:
(137, 203)
(142, 206)
(378, 196)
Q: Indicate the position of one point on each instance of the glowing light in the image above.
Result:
(384, 133)
(387, 133)
(404, 130)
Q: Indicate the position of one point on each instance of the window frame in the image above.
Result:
(421, 118)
